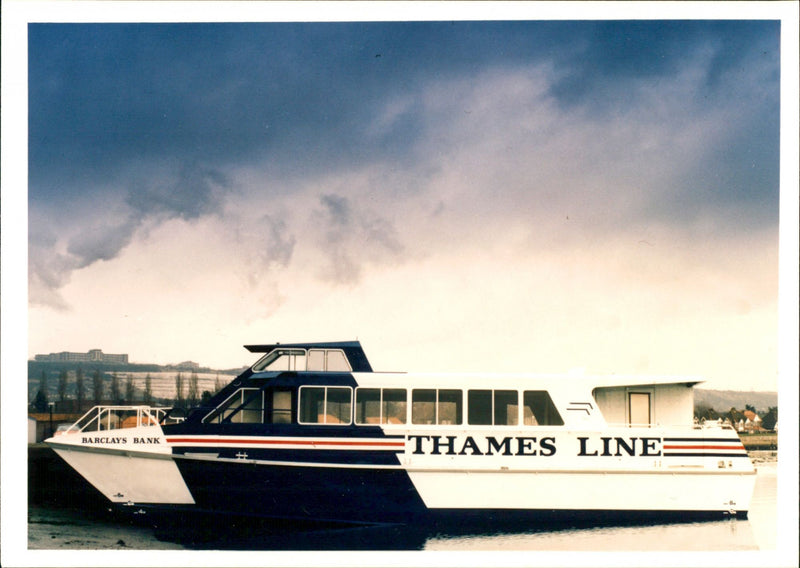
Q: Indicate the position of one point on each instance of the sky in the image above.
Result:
(513, 196)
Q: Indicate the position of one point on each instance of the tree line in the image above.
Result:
(734, 416)
(96, 389)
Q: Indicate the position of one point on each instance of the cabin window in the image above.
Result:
(423, 406)
(281, 407)
(487, 407)
(327, 360)
(380, 406)
(316, 360)
(538, 409)
(368, 406)
(245, 406)
(448, 407)
(393, 406)
(436, 406)
(336, 361)
(325, 405)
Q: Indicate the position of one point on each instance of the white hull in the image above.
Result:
(572, 490)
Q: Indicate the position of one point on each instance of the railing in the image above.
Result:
(714, 424)
(706, 425)
(114, 417)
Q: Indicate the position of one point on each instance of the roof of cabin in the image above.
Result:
(530, 380)
(267, 347)
(352, 350)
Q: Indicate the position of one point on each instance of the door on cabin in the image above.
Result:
(639, 409)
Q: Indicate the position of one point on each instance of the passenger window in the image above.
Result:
(368, 406)
(312, 404)
(539, 409)
(506, 407)
(479, 407)
(487, 407)
(380, 406)
(325, 405)
(423, 406)
(394, 406)
(432, 406)
(448, 407)
(282, 407)
(245, 406)
(338, 405)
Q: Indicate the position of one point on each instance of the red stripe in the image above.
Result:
(283, 442)
(670, 447)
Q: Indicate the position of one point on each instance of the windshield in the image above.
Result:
(282, 360)
(302, 360)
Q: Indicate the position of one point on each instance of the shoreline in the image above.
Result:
(763, 456)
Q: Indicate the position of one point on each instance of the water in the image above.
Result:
(68, 528)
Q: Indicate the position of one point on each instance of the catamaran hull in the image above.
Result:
(367, 494)
(396, 495)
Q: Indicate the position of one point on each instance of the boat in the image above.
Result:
(310, 432)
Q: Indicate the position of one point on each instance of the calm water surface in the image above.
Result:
(68, 528)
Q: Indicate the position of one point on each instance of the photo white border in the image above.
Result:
(16, 14)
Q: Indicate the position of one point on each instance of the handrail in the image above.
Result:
(708, 425)
(111, 417)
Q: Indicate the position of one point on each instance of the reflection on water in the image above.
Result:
(729, 534)
(755, 533)
(763, 508)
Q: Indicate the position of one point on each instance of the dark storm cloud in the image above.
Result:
(100, 243)
(305, 95)
(195, 190)
(159, 115)
(610, 56)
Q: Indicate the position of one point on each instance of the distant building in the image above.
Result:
(91, 356)
(753, 422)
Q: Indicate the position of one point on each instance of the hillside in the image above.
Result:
(724, 400)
